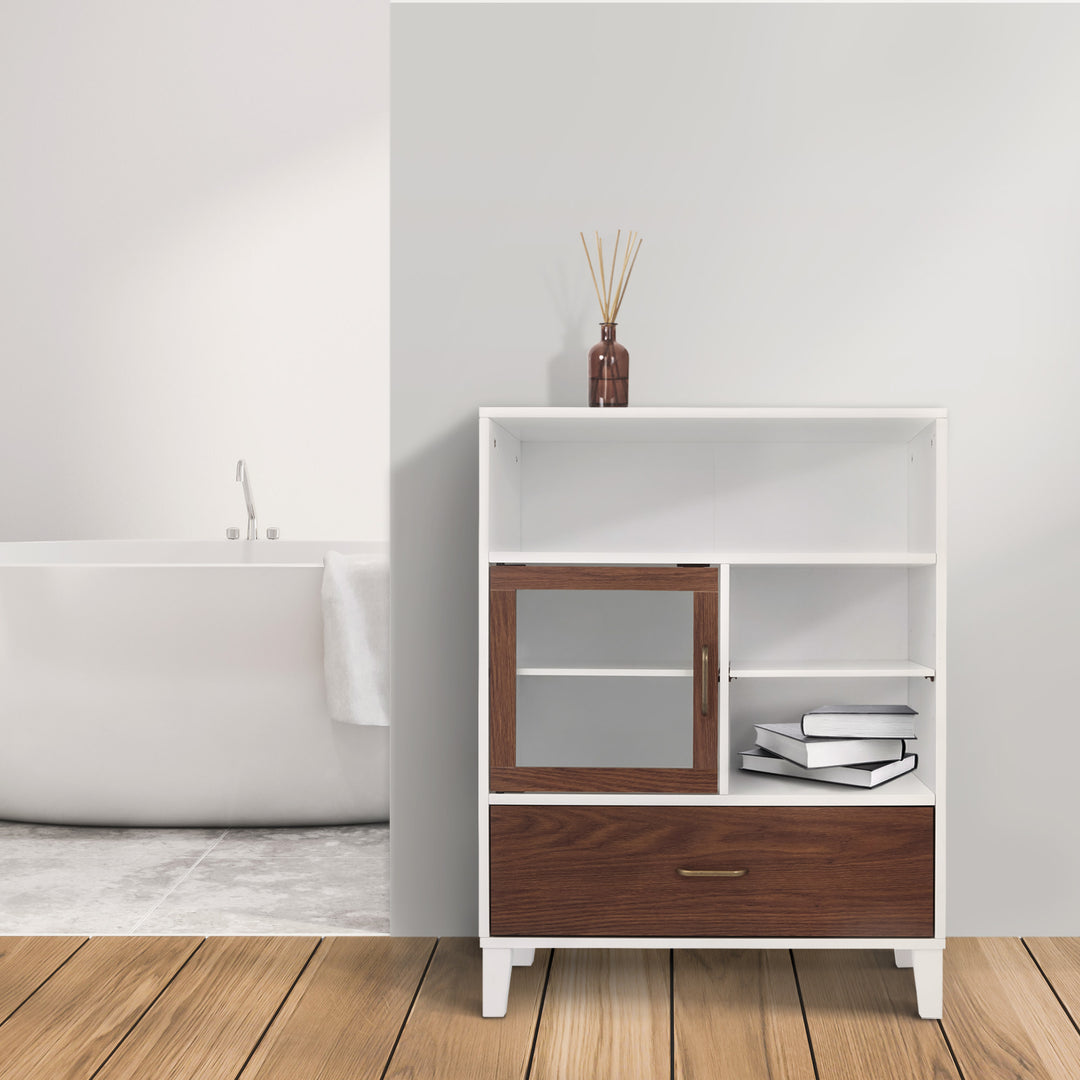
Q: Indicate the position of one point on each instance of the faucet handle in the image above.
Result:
(232, 533)
(272, 532)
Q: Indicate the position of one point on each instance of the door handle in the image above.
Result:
(704, 680)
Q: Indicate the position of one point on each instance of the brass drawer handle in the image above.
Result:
(682, 872)
(704, 680)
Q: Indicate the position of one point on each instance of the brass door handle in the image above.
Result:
(683, 872)
(704, 680)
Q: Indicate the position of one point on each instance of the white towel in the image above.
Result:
(356, 632)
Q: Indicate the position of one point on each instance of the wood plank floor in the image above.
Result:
(250, 1008)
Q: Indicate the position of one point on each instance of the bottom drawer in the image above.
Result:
(810, 871)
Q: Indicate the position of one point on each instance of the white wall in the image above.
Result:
(193, 264)
(872, 205)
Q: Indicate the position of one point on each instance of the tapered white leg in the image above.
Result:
(903, 958)
(928, 965)
(523, 957)
(497, 965)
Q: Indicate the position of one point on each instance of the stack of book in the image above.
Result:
(864, 745)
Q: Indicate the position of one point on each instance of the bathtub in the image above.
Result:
(171, 683)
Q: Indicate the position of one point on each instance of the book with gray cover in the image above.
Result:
(813, 752)
(861, 721)
(865, 774)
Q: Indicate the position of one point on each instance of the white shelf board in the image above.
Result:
(745, 789)
(716, 558)
(829, 669)
(609, 672)
(677, 424)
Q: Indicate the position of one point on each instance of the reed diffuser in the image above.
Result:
(609, 362)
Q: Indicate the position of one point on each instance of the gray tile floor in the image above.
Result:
(61, 880)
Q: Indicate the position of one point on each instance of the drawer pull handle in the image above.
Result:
(683, 872)
(704, 680)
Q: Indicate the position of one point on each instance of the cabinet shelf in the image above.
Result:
(609, 672)
(716, 558)
(829, 669)
(746, 789)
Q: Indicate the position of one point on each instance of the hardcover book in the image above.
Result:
(861, 721)
(813, 752)
(865, 774)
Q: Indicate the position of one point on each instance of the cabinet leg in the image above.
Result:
(928, 965)
(903, 958)
(497, 965)
(523, 957)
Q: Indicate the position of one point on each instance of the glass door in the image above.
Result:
(603, 678)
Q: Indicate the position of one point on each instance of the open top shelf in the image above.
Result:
(715, 558)
(668, 424)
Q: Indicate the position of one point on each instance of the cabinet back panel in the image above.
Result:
(617, 497)
(714, 496)
(819, 613)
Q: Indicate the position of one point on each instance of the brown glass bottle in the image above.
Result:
(609, 370)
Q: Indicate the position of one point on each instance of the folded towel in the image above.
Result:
(356, 632)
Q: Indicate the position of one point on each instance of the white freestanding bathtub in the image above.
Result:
(175, 683)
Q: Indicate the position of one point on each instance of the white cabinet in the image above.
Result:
(654, 582)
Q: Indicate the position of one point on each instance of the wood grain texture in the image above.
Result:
(502, 677)
(206, 1022)
(346, 1010)
(26, 962)
(1001, 1017)
(446, 1038)
(1059, 959)
(706, 636)
(606, 1014)
(811, 871)
(863, 1022)
(737, 1014)
(568, 778)
(72, 1024)
(655, 578)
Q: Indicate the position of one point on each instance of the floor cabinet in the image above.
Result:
(653, 583)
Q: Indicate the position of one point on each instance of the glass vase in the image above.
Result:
(609, 370)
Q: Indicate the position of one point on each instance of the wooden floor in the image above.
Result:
(304, 1008)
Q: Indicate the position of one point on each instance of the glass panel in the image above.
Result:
(608, 722)
(631, 703)
(604, 628)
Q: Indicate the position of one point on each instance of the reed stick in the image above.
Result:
(626, 257)
(611, 283)
(603, 278)
(592, 271)
(619, 301)
(608, 294)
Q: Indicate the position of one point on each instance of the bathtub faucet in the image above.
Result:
(242, 478)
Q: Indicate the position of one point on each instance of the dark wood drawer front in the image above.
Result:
(612, 871)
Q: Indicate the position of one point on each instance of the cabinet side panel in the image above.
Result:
(504, 505)
(723, 732)
(922, 490)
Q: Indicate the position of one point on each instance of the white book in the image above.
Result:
(861, 721)
(866, 774)
(813, 752)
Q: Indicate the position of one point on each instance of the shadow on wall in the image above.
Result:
(433, 766)
(568, 382)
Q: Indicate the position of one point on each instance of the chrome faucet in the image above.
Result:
(242, 477)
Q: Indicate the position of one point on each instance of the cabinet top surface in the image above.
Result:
(663, 423)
